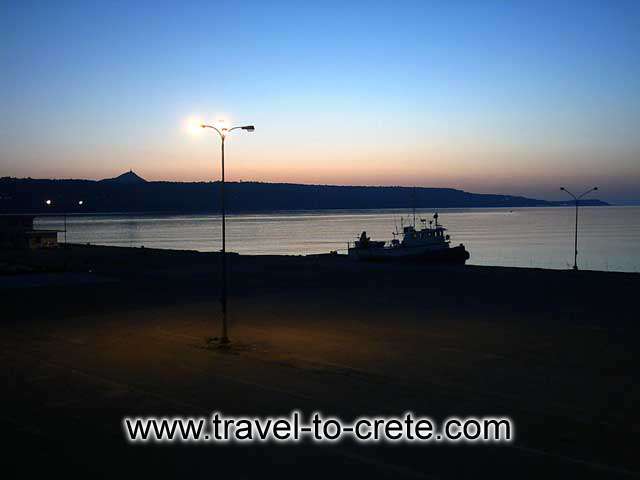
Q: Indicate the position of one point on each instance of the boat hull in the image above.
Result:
(453, 255)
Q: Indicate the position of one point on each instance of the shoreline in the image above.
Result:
(53, 260)
(404, 210)
(526, 237)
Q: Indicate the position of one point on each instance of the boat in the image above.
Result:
(427, 244)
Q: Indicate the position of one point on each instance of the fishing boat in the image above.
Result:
(427, 244)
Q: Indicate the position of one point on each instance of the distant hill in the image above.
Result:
(126, 178)
(131, 193)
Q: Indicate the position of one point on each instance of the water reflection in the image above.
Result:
(532, 237)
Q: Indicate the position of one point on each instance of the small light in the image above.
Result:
(193, 125)
(48, 202)
(81, 202)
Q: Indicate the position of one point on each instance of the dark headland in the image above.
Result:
(123, 333)
(131, 193)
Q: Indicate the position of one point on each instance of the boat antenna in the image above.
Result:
(435, 216)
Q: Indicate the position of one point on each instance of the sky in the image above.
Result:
(489, 96)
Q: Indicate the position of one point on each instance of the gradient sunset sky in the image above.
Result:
(489, 96)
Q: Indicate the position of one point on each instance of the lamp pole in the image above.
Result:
(49, 203)
(223, 132)
(575, 241)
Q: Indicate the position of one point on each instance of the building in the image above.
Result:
(16, 231)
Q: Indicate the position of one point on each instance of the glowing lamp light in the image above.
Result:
(192, 125)
(48, 202)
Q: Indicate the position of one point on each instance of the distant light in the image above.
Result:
(80, 202)
(48, 202)
(192, 125)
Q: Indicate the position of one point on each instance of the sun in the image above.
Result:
(193, 125)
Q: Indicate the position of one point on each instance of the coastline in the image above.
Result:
(521, 237)
(300, 211)
(130, 192)
(101, 259)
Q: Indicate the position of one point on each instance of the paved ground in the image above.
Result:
(553, 350)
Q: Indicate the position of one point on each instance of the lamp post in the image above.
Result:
(223, 132)
(575, 242)
(49, 203)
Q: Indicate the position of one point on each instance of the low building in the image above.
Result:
(16, 231)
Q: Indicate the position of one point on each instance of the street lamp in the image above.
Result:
(49, 203)
(223, 132)
(577, 201)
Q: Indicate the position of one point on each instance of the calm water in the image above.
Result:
(609, 237)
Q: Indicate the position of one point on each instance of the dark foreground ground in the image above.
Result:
(79, 351)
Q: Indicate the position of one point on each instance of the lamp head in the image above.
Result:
(595, 188)
(561, 188)
(249, 128)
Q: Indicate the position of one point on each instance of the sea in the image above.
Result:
(608, 237)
